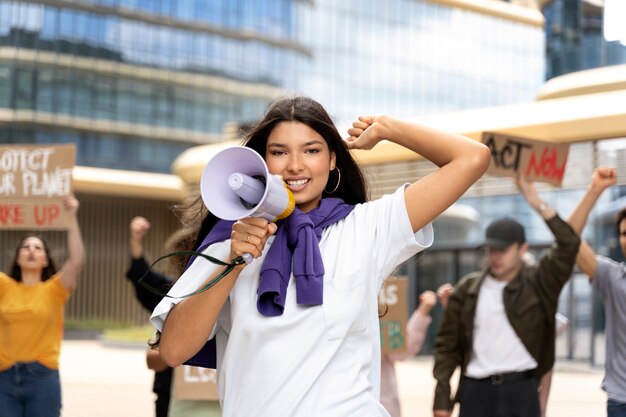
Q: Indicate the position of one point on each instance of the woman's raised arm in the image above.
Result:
(74, 263)
(461, 161)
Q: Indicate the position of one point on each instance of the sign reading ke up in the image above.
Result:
(538, 161)
(34, 181)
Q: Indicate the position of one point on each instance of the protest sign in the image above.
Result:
(392, 304)
(194, 383)
(538, 161)
(34, 180)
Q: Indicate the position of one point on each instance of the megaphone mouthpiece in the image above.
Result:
(249, 189)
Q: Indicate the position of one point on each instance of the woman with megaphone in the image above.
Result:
(296, 329)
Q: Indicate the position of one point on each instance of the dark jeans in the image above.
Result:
(482, 398)
(615, 408)
(30, 390)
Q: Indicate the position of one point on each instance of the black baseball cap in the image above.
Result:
(502, 233)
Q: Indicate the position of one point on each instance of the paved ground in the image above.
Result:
(113, 381)
(575, 390)
(100, 381)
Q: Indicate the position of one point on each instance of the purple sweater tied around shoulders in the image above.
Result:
(297, 239)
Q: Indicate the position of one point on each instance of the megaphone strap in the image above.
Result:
(229, 267)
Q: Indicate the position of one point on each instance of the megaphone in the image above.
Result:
(236, 184)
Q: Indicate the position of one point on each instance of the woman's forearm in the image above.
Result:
(438, 146)
(75, 243)
(189, 324)
(76, 255)
(462, 162)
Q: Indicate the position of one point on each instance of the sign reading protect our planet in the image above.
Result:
(34, 181)
(536, 160)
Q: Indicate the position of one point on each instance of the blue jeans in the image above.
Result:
(29, 389)
(615, 408)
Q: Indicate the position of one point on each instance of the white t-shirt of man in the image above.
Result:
(312, 360)
(496, 347)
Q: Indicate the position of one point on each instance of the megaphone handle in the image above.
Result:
(247, 257)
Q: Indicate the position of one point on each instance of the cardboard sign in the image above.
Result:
(538, 161)
(392, 301)
(34, 181)
(194, 383)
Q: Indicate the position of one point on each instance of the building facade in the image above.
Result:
(578, 37)
(133, 83)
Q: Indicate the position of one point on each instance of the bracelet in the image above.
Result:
(543, 207)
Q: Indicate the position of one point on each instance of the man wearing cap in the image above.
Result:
(500, 322)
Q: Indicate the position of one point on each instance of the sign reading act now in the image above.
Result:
(537, 161)
(34, 181)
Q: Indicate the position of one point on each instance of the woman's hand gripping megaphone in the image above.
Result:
(249, 236)
(250, 191)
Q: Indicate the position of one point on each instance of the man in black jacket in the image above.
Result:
(500, 323)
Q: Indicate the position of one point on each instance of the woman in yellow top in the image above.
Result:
(32, 299)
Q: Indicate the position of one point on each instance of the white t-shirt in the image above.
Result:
(312, 360)
(496, 347)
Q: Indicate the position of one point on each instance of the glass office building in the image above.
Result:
(579, 38)
(135, 82)
(412, 58)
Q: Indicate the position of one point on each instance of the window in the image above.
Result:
(162, 105)
(5, 87)
(24, 92)
(45, 90)
(84, 97)
(63, 92)
(103, 95)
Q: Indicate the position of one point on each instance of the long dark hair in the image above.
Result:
(15, 271)
(352, 188)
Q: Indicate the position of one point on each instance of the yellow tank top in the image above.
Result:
(31, 321)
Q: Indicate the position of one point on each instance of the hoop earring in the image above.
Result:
(338, 181)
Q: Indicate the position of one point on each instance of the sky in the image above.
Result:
(614, 18)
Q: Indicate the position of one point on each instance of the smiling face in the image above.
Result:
(301, 156)
(32, 254)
